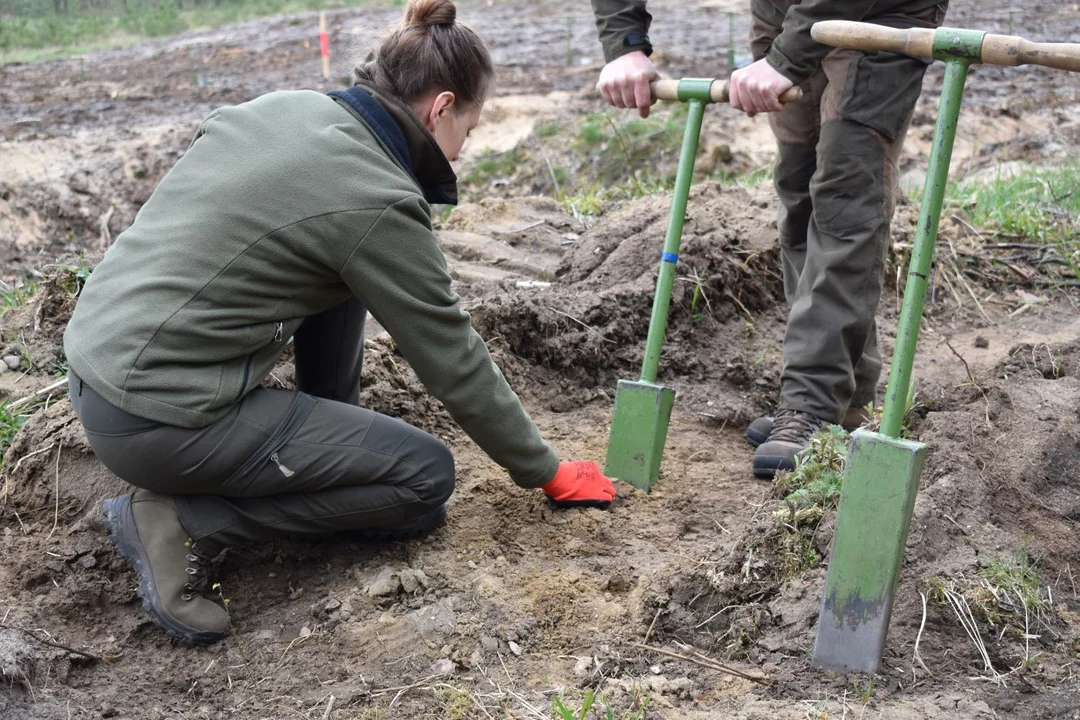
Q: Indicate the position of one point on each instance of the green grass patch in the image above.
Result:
(807, 493)
(35, 31)
(12, 420)
(1003, 601)
(1038, 204)
(546, 130)
(13, 296)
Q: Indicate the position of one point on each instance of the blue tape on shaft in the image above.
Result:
(669, 257)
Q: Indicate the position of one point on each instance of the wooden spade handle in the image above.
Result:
(669, 90)
(867, 36)
(996, 49)
(1011, 50)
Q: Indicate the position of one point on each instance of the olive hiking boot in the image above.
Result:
(790, 435)
(758, 431)
(172, 569)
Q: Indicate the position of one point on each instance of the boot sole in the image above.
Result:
(120, 521)
(408, 530)
(767, 466)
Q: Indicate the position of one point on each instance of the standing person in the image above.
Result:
(835, 175)
(292, 216)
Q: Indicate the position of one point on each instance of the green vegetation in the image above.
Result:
(1038, 204)
(37, 29)
(589, 702)
(810, 490)
(1007, 596)
(13, 296)
(11, 421)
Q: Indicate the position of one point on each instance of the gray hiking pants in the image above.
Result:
(836, 178)
(311, 461)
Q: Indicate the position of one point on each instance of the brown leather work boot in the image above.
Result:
(758, 431)
(172, 569)
(790, 435)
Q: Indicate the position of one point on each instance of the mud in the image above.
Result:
(512, 603)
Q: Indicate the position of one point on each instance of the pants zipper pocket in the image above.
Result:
(301, 406)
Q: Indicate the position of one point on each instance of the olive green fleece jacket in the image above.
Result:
(794, 54)
(283, 207)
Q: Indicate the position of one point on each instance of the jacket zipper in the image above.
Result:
(279, 331)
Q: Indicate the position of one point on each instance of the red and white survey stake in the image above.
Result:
(324, 46)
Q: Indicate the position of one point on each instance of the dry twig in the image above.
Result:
(706, 662)
(50, 643)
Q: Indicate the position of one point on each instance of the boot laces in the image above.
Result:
(795, 426)
(197, 571)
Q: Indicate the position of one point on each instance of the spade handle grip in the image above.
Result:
(1007, 50)
(669, 90)
(867, 36)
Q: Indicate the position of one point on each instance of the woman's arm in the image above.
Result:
(400, 274)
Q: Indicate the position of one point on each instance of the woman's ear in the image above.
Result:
(441, 107)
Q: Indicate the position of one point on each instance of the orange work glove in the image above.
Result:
(580, 484)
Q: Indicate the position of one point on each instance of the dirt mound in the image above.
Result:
(591, 324)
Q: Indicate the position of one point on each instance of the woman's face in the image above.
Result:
(448, 120)
(455, 128)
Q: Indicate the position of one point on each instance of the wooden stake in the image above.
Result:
(324, 46)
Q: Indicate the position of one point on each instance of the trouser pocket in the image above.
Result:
(881, 91)
(241, 479)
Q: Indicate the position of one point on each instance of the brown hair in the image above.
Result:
(430, 51)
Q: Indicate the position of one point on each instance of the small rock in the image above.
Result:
(583, 668)
(80, 182)
(981, 342)
(421, 577)
(12, 361)
(108, 711)
(471, 565)
(4, 368)
(442, 667)
(87, 561)
(386, 583)
(515, 648)
(409, 583)
(489, 643)
(331, 605)
(305, 632)
(655, 669)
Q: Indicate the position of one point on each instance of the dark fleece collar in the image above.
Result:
(414, 147)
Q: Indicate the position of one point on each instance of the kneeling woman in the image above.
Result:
(293, 215)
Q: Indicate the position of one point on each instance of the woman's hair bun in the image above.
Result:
(429, 12)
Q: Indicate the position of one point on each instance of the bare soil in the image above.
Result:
(517, 603)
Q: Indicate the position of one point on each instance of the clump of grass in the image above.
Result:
(12, 420)
(546, 130)
(808, 492)
(814, 485)
(13, 296)
(493, 165)
(1007, 597)
(608, 711)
